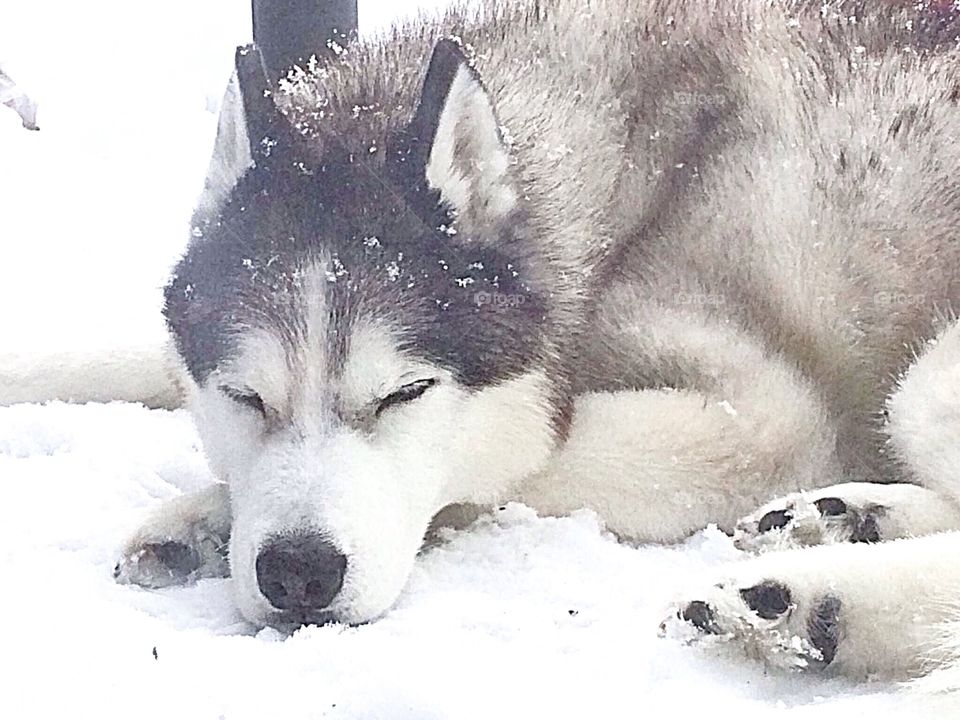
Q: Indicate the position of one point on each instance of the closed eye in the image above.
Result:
(409, 392)
(247, 398)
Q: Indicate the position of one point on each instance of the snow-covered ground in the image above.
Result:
(516, 617)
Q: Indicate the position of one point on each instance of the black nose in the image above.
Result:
(300, 572)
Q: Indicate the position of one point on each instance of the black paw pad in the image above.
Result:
(831, 506)
(701, 616)
(769, 599)
(823, 627)
(862, 524)
(176, 557)
(865, 527)
(774, 520)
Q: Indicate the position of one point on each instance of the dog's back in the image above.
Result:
(783, 168)
(803, 193)
(777, 175)
(662, 260)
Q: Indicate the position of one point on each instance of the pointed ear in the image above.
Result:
(247, 119)
(255, 92)
(467, 162)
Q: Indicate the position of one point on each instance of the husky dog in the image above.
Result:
(671, 260)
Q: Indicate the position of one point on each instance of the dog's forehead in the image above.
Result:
(293, 251)
(340, 351)
(349, 333)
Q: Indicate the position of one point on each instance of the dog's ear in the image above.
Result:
(254, 91)
(468, 161)
(247, 127)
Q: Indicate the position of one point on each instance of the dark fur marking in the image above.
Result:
(823, 627)
(382, 233)
(769, 599)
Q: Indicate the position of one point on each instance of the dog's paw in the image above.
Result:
(185, 540)
(162, 562)
(771, 620)
(860, 610)
(851, 512)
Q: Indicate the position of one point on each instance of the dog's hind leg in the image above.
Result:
(185, 539)
(924, 432)
(860, 608)
(886, 610)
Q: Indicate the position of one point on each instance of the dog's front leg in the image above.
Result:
(659, 464)
(185, 539)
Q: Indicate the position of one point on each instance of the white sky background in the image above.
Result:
(94, 207)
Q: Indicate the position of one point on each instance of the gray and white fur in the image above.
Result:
(669, 260)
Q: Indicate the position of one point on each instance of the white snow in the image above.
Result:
(516, 617)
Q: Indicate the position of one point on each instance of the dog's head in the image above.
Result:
(367, 341)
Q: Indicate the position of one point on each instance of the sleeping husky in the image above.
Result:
(671, 260)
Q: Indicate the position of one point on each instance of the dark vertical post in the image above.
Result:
(288, 32)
